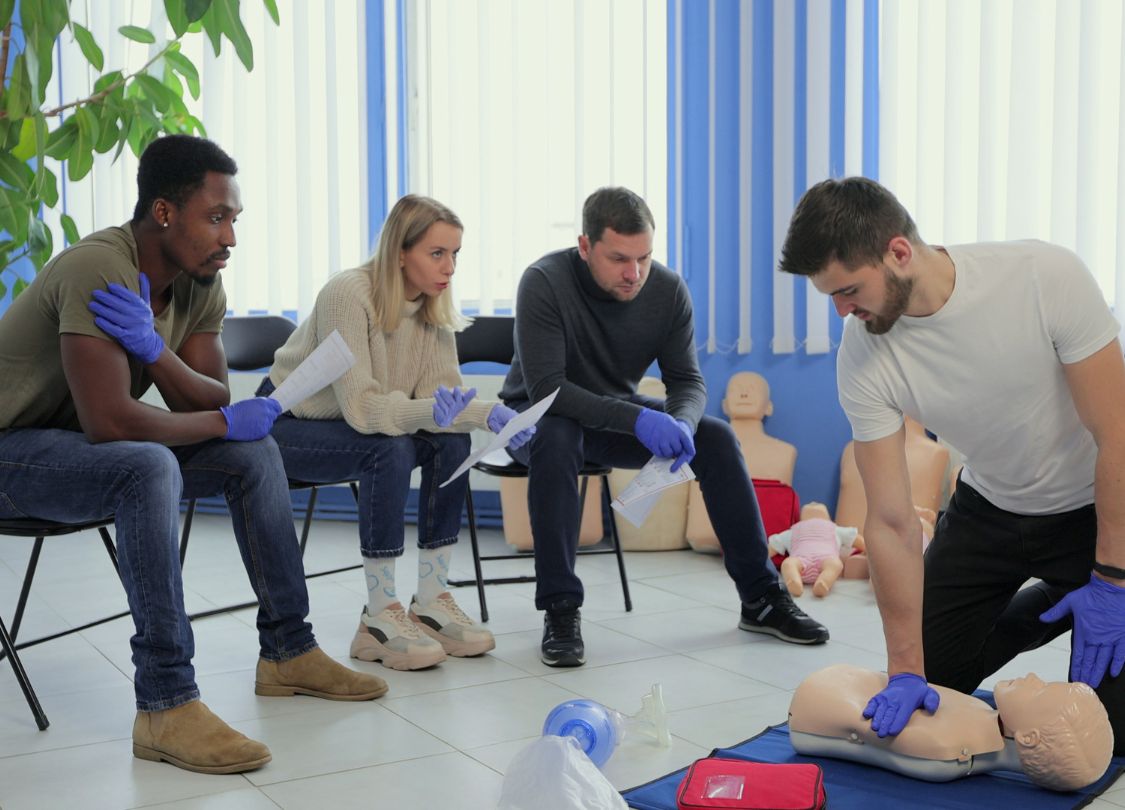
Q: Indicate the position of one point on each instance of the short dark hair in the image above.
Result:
(617, 208)
(849, 220)
(173, 168)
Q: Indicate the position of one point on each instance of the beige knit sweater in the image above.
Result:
(390, 388)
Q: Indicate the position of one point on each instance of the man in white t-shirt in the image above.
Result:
(1008, 352)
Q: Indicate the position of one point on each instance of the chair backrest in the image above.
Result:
(489, 338)
(250, 340)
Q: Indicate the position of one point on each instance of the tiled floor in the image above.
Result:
(441, 738)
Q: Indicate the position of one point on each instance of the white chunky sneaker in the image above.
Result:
(395, 641)
(445, 622)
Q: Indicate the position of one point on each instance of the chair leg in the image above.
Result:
(188, 517)
(607, 502)
(32, 563)
(476, 553)
(21, 676)
(111, 550)
(308, 519)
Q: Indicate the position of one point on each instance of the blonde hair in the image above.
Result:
(404, 227)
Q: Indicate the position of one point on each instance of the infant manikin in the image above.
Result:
(815, 546)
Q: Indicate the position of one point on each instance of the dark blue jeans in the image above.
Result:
(560, 447)
(325, 451)
(59, 475)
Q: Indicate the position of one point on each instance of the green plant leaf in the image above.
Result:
(177, 17)
(18, 93)
(107, 80)
(3, 286)
(6, 9)
(14, 212)
(89, 47)
(137, 34)
(20, 286)
(184, 66)
(88, 124)
(212, 28)
(107, 136)
(196, 9)
(25, 148)
(48, 188)
(154, 91)
(223, 16)
(61, 140)
(81, 157)
(15, 173)
(271, 7)
(38, 234)
(70, 230)
(39, 125)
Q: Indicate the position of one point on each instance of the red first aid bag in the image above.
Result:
(740, 785)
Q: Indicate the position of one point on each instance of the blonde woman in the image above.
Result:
(399, 407)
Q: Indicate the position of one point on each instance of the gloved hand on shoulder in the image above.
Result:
(127, 318)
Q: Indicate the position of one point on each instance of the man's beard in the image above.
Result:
(894, 303)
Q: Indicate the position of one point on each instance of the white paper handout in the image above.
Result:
(521, 421)
(324, 366)
(637, 500)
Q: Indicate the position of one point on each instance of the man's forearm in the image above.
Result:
(185, 390)
(896, 576)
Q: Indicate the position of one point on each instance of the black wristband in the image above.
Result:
(1109, 571)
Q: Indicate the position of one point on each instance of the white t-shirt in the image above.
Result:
(985, 373)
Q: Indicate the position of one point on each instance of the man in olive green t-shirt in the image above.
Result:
(120, 310)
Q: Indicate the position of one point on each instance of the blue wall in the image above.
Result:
(803, 386)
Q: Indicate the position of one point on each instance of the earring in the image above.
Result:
(165, 223)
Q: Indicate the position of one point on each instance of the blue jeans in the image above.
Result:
(557, 451)
(329, 451)
(59, 475)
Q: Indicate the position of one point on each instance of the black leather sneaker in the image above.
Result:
(776, 614)
(562, 636)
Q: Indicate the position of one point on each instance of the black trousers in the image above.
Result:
(558, 450)
(976, 614)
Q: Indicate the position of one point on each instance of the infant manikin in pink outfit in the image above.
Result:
(816, 547)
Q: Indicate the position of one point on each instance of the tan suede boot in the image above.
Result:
(192, 738)
(318, 675)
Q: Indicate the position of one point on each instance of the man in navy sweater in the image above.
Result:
(590, 321)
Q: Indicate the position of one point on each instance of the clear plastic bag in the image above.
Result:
(552, 773)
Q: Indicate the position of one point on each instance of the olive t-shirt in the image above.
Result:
(34, 388)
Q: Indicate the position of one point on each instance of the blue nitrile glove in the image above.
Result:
(250, 419)
(499, 416)
(664, 436)
(448, 403)
(890, 710)
(1098, 609)
(127, 318)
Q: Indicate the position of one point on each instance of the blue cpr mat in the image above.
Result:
(863, 787)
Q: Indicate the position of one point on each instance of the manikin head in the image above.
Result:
(1061, 730)
(748, 397)
(814, 511)
(854, 240)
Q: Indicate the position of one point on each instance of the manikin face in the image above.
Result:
(875, 294)
(1023, 701)
(198, 235)
(747, 397)
(428, 266)
(619, 263)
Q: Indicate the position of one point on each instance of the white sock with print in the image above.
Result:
(380, 575)
(433, 573)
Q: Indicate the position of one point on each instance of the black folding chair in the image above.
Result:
(249, 343)
(40, 529)
(492, 339)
